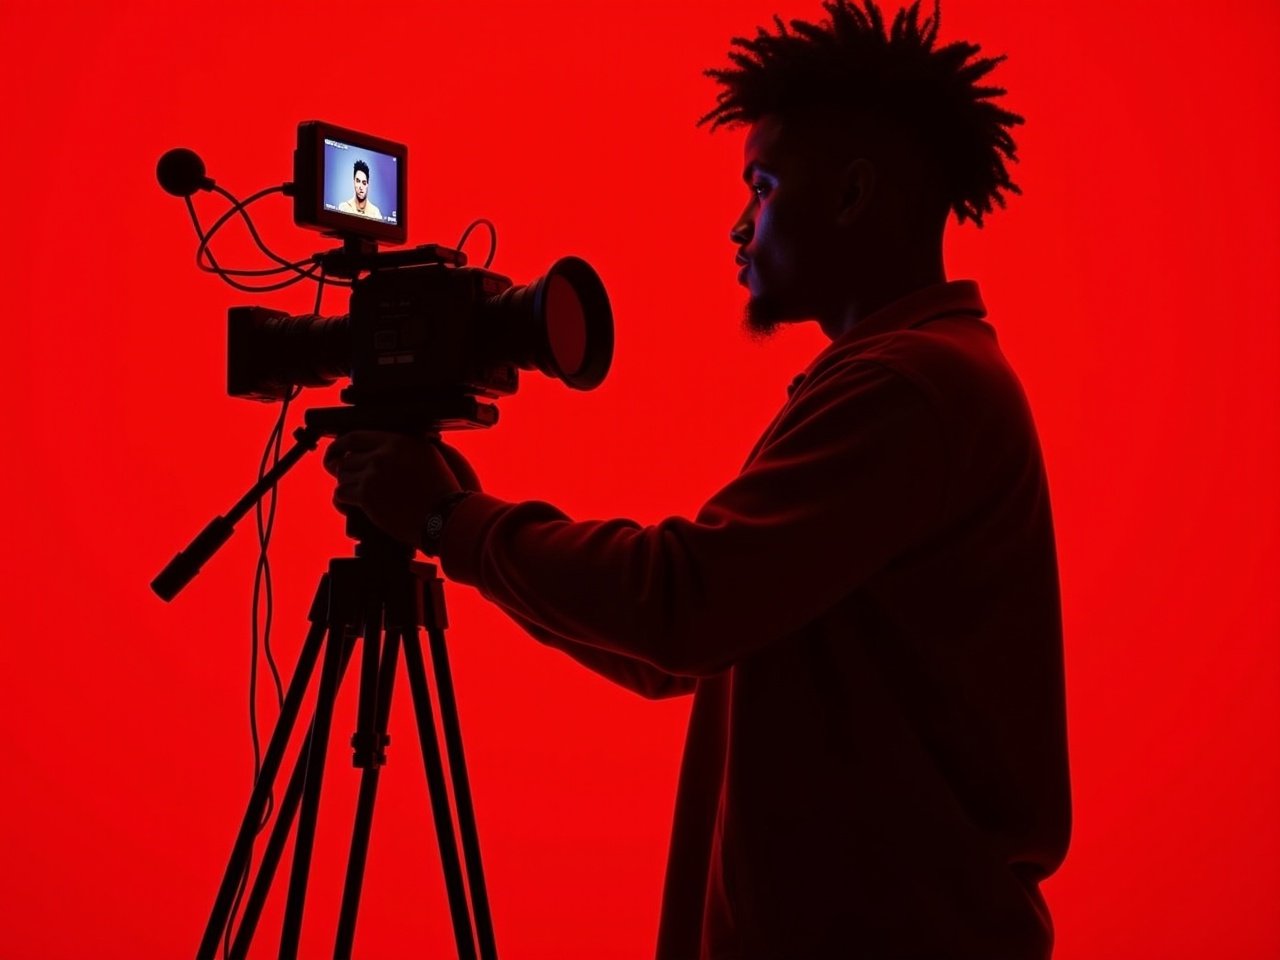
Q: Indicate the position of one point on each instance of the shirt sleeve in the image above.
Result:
(852, 474)
(636, 675)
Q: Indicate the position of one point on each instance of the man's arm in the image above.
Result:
(385, 474)
(637, 676)
(853, 475)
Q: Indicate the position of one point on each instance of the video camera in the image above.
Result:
(424, 331)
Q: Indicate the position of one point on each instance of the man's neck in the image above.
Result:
(888, 286)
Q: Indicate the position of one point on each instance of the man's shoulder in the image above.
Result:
(948, 349)
(955, 362)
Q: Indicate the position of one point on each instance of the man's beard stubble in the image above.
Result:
(760, 318)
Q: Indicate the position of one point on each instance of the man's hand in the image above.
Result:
(396, 480)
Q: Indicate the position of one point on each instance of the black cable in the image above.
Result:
(263, 575)
(264, 540)
(226, 273)
(262, 589)
(493, 238)
(238, 207)
(320, 282)
(264, 536)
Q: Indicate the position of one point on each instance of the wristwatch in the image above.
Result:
(433, 526)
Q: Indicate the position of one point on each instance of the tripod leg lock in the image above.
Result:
(370, 749)
(431, 612)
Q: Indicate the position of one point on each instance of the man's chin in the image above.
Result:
(761, 318)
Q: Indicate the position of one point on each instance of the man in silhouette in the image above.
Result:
(359, 201)
(868, 614)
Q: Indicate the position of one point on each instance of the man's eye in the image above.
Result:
(760, 189)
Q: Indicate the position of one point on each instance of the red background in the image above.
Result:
(1134, 287)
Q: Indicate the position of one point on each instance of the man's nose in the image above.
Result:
(742, 231)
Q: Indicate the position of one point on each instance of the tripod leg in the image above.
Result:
(271, 855)
(462, 793)
(369, 742)
(242, 851)
(445, 839)
(303, 843)
(279, 836)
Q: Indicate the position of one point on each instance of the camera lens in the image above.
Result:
(560, 324)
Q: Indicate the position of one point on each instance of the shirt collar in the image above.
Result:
(951, 298)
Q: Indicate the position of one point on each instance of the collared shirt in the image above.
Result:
(868, 617)
(370, 210)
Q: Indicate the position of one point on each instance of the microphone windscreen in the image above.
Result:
(181, 172)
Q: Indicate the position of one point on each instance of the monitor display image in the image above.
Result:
(360, 182)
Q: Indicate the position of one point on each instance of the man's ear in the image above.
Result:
(857, 180)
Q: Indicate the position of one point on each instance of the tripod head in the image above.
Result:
(421, 419)
(426, 416)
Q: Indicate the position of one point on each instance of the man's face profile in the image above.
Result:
(362, 185)
(782, 232)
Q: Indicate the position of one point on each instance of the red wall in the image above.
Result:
(1134, 286)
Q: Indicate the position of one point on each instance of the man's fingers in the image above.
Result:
(362, 439)
(356, 440)
(344, 449)
(458, 464)
(344, 462)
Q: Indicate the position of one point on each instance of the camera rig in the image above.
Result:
(424, 331)
(426, 342)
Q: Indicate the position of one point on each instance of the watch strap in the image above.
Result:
(433, 526)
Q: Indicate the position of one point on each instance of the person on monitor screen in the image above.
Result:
(868, 615)
(360, 202)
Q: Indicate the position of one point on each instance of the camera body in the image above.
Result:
(415, 332)
(428, 331)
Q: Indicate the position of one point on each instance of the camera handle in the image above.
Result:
(183, 568)
(358, 255)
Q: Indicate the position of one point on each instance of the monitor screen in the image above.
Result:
(350, 184)
(360, 182)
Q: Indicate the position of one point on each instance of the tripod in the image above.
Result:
(379, 598)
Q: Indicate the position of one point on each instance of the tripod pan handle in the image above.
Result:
(183, 568)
